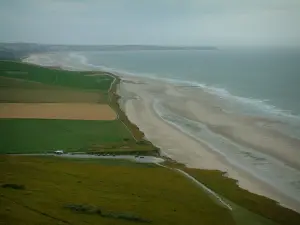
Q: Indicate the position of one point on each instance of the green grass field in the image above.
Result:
(125, 194)
(25, 83)
(23, 91)
(54, 77)
(36, 190)
(256, 208)
(40, 135)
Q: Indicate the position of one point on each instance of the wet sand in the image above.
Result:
(272, 150)
(192, 127)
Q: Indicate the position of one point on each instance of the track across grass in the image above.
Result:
(58, 191)
(36, 190)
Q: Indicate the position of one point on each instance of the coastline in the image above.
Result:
(193, 153)
(141, 95)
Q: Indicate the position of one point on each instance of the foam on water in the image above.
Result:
(264, 167)
(249, 104)
(79, 61)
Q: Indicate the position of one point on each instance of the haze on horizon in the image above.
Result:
(156, 22)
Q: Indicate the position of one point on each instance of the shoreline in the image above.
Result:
(173, 142)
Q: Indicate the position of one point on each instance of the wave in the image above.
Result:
(252, 105)
(260, 165)
(260, 104)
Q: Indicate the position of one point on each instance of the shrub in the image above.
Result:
(14, 186)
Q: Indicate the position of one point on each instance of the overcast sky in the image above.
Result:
(159, 22)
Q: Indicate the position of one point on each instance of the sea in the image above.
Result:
(264, 83)
(255, 82)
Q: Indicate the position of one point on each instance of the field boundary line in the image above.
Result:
(109, 90)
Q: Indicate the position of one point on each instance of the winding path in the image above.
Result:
(202, 186)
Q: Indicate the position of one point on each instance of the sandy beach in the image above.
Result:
(193, 127)
(270, 150)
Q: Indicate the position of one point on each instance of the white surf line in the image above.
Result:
(206, 189)
(39, 65)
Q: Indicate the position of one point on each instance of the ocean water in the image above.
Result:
(269, 80)
(263, 167)
(253, 82)
(249, 82)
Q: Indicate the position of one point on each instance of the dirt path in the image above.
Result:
(210, 192)
(138, 159)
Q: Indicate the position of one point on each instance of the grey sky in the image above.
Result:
(162, 22)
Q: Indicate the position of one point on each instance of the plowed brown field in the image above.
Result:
(66, 111)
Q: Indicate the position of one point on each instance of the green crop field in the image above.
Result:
(41, 135)
(54, 190)
(23, 91)
(51, 190)
(25, 83)
(54, 77)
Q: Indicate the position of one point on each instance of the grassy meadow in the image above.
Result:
(55, 76)
(58, 191)
(25, 83)
(42, 135)
(55, 190)
(256, 208)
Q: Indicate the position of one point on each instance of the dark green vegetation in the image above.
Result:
(253, 206)
(25, 83)
(22, 91)
(42, 135)
(55, 77)
(53, 190)
(60, 191)
(14, 186)
(87, 209)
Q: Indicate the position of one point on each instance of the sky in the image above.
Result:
(151, 22)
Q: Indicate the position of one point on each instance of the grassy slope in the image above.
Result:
(247, 204)
(243, 216)
(51, 183)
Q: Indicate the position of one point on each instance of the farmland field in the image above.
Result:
(38, 135)
(48, 76)
(23, 91)
(66, 111)
(43, 109)
(52, 187)
(55, 190)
